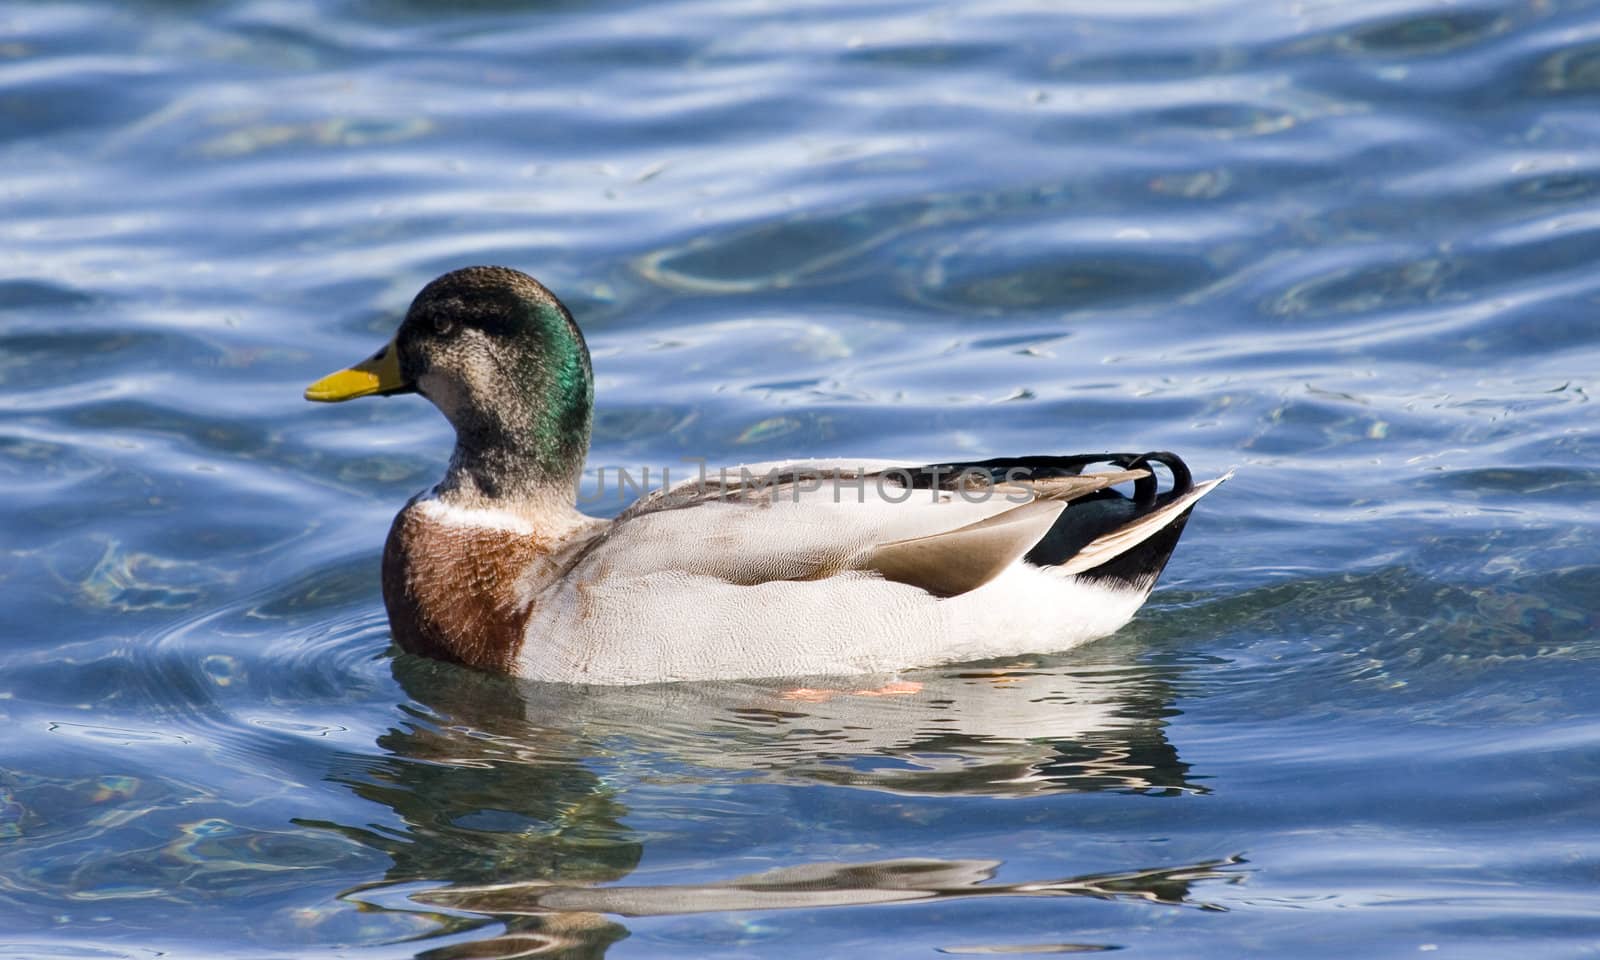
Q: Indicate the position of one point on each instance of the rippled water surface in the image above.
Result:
(1347, 248)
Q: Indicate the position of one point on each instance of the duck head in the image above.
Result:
(502, 359)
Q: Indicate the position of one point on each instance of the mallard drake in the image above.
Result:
(802, 568)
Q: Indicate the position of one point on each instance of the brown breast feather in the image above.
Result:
(451, 590)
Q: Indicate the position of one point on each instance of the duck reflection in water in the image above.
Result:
(513, 795)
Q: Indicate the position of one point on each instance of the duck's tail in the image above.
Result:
(1105, 536)
(1135, 553)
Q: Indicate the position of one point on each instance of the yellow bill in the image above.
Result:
(379, 373)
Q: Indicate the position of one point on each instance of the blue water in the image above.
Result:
(1348, 248)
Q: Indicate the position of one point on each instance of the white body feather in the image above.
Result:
(664, 627)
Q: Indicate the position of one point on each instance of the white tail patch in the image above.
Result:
(1114, 544)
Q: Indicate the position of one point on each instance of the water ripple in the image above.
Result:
(1345, 248)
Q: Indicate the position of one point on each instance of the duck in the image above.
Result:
(803, 568)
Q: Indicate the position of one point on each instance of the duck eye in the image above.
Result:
(444, 326)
